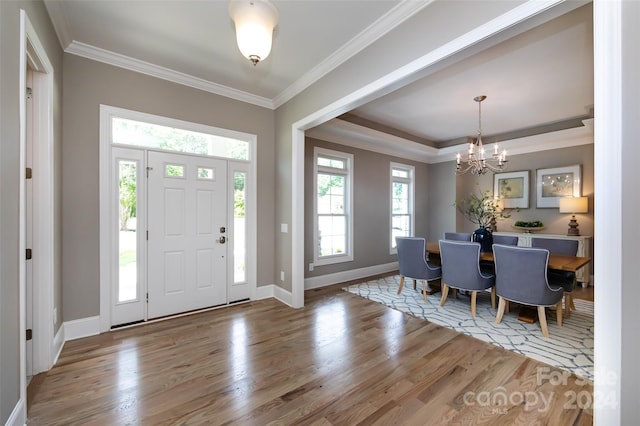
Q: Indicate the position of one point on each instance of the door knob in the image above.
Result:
(222, 240)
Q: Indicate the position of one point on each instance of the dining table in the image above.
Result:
(556, 262)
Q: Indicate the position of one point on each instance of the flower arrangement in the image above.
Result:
(481, 208)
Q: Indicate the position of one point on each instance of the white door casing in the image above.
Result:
(28, 189)
(187, 222)
(238, 286)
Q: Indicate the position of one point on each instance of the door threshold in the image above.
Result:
(179, 315)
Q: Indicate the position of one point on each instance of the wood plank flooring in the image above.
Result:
(341, 360)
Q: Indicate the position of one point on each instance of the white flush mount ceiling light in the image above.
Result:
(255, 21)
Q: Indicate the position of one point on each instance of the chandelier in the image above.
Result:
(477, 161)
(255, 21)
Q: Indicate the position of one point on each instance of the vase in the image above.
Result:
(483, 236)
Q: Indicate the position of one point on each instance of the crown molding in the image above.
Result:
(400, 13)
(582, 135)
(136, 65)
(349, 134)
(396, 16)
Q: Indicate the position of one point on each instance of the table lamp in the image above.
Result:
(574, 205)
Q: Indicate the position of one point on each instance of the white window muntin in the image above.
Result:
(343, 166)
(401, 174)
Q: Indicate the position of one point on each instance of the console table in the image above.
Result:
(583, 275)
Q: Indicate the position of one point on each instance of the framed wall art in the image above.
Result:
(512, 188)
(553, 184)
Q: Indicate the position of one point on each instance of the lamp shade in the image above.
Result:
(574, 205)
(255, 21)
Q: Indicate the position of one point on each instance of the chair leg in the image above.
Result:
(474, 295)
(445, 293)
(543, 321)
(415, 284)
(401, 284)
(507, 306)
(424, 290)
(493, 297)
(501, 305)
(568, 303)
(559, 313)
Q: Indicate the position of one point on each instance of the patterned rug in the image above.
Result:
(569, 347)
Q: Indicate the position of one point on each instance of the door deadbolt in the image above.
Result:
(223, 229)
(222, 240)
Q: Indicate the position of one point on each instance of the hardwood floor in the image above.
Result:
(341, 360)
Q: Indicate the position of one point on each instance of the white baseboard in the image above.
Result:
(276, 292)
(18, 416)
(82, 327)
(354, 274)
(264, 291)
(283, 295)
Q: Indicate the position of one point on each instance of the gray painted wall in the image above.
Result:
(87, 84)
(437, 188)
(555, 223)
(442, 195)
(426, 31)
(371, 207)
(9, 183)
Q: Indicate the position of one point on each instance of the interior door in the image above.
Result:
(187, 222)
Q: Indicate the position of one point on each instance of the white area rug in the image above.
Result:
(569, 347)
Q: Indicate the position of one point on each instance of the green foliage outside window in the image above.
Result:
(127, 185)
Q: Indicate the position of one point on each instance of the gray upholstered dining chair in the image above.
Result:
(521, 277)
(506, 240)
(457, 236)
(413, 263)
(566, 278)
(461, 269)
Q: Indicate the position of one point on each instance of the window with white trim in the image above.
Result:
(333, 230)
(402, 203)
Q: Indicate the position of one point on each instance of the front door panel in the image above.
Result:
(187, 258)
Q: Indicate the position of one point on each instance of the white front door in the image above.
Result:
(187, 224)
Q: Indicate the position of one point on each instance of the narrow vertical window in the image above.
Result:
(402, 192)
(333, 206)
(239, 227)
(127, 241)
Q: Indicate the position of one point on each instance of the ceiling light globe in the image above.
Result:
(255, 21)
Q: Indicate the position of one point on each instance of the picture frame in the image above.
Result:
(512, 189)
(555, 183)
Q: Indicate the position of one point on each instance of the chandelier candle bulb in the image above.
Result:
(479, 164)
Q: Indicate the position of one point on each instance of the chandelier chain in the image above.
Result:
(476, 161)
